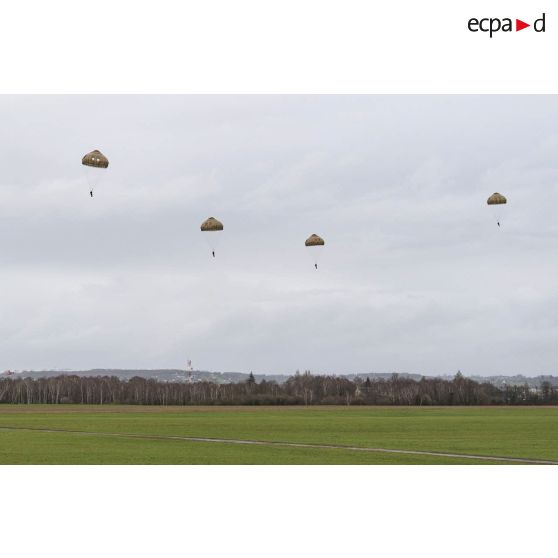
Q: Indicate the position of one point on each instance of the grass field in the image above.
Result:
(104, 434)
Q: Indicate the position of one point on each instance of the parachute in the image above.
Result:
(316, 244)
(496, 202)
(95, 164)
(212, 226)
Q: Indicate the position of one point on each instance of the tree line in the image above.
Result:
(299, 389)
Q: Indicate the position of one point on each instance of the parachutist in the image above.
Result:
(94, 161)
(497, 202)
(315, 243)
(210, 227)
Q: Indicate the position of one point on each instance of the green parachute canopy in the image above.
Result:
(496, 199)
(314, 240)
(95, 159)
(211, 224)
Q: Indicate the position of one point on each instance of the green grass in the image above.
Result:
(528, 432)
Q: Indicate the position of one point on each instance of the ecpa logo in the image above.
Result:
(494, 24)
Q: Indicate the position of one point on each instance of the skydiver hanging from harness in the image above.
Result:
(315, 243)
(211, 226)
(96, 161)
(497, 201)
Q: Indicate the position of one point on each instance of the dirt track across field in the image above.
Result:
(487, 458)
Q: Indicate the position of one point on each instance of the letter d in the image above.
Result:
(542, 23)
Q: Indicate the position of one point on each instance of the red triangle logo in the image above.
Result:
(519, 25)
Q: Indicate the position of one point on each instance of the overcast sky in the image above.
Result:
(415, 275)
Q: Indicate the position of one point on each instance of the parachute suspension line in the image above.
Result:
(86, 176)
(89, 179)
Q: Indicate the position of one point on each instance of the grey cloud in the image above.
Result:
(415, 276)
